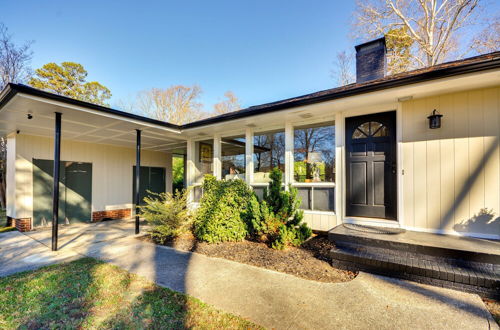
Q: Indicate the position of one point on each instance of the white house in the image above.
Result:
(364, 153)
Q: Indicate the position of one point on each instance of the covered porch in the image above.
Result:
(71, 162)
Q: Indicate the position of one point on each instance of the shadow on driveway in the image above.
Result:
(273, 299)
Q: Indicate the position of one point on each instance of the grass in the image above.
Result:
(6, 229)
(3, 221)
(87, 293)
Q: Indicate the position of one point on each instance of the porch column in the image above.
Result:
(217, 162)
(288, 175)
(190, 158)
(137, 179)
(339, 167)
(249, 155)
(55, 175)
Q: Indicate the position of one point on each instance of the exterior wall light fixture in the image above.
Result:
(435, 119)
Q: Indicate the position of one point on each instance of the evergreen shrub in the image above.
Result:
(224, 211)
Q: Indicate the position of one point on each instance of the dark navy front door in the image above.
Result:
(371, 167)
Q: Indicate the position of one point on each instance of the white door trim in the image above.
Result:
(399, 157)
(340, 153)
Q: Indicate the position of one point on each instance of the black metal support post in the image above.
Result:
(137, 179)
(55, 175)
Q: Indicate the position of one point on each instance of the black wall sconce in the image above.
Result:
(435, 119)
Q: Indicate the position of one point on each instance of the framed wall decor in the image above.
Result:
(206, 152)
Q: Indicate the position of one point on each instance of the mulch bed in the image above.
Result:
(494, 308)
(311, 261)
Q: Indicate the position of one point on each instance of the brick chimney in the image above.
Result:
(371, 61)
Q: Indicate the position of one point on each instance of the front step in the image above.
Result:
(400, 259)
(458, 248)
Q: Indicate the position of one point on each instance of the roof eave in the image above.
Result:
(12, 89)
(368, 88)
(465, 68)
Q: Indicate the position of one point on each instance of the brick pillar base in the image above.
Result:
(23, 224)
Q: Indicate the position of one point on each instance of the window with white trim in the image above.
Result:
(268, 153)
(314, 153)
(233, 158)
(314, 166)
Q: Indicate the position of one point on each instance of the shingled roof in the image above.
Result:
(469, 65)
(449, 69)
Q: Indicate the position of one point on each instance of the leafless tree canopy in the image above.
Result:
(489, 39)
(176, 104)
(230, 104)
(433, 25)
(343, 68)
(14, 59)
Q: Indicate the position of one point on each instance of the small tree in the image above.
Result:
(277, 218)
(167, 214)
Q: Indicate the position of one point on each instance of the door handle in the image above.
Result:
(394, 168)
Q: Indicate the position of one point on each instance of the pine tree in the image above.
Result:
(279, 217)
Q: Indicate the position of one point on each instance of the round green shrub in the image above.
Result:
(224, 211)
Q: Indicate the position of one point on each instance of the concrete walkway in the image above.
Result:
(277, 300)
(86, 234)
(19, 253)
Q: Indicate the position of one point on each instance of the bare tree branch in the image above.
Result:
(14, 59)
(344, 68)
(177, 104)
(434, 25)
(14, 68)
(488, 40)
(230, 104)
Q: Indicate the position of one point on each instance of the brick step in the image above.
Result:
(404, 254)
(440, 246)
(481, 278)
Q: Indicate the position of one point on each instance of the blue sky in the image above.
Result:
(261, 50)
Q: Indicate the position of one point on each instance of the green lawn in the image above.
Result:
(91, 294)
(6, 229)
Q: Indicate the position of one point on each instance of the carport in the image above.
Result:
(84, 126)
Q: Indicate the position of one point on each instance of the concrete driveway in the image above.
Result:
(31, 250)
(19, 253)
(86, 234)
(268, 298)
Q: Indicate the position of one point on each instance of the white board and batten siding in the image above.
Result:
(451, 181)
(320, 221)
(112, 171)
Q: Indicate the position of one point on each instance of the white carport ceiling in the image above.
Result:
(83, 124)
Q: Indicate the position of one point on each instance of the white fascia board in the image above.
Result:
(100, 113)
